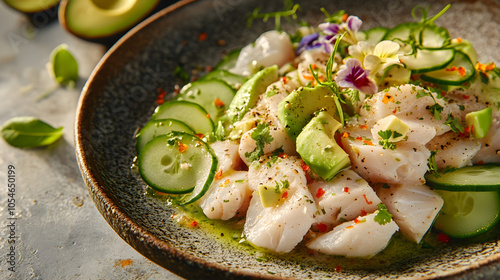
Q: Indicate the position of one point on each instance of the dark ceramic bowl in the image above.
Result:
(120, 96)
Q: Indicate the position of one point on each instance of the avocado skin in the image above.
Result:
(298, 108)
(317, 146)
(39, 18)
(110, 39)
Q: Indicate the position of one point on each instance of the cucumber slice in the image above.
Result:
(376, 34)
(470, 178)
(206, 93)
(156, 128)
(229, 61)
(401, 32)
(425, 60)
(192, 114)
(233, 80)
(450, 74)
(467, 214)
(178, 163)
(433, 36)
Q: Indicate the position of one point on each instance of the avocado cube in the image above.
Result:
(479, 122)
(317, 146)
(393, 124)
(269, 197)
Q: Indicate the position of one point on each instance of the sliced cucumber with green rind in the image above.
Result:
(401, 32)
(229, 61)
(159, 127)
(468, 214)
(470, 178)
(433, 36)
(460, 70)
(205, 93)
(190, 113)
(425, 60)
(233, 80)
(376, 34)
(178, 163)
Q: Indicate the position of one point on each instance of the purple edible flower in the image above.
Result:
(354, 76)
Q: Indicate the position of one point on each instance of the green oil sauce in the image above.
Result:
(399, 252)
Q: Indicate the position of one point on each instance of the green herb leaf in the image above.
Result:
(383, 216)
(262, 136)
(455, 124)
(386, 136)
(63, 66)
(29, 132)
(431, 164)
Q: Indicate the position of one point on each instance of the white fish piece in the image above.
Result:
(406, 102)
(270, 48)
(316, 57)
(280, 228)
(413, 207)
(227, 197)
(453, 150)
(363, 237)
(343, 198)
(490, 144)
(266, 112)
(419, 132)
(275, 169)
(227, 155)
(406, 164)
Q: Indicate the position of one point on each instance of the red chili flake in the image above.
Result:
(359, 138)
(284, 79)
(284, 195)
(218, 102)
(199, 135)
(345, 134)
(467, 132)
(459, 40)
(193, 224)
(221, 42)
(363, 212)
(356, 221)
(346, 189)
(395, 111)
(485, 67)
(363, 126)
(344, 17)
(161, 95)
(461, 71)
(480, 162)
(367, 201)
(466, 97)
(349, 227)
(282, 155)
(304, 166)
(443, 238)
(368, 142)
(182, 147)
(388, 98)
(322, 227)
(218, 175)
(227, 182)
(320, 193)
(208, 116)
(202, 36)
(314, 66)
(338, 268)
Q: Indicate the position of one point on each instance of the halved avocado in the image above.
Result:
(39, 12)
(103, 21)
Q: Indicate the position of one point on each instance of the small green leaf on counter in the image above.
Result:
(29, 132)
(63, 66)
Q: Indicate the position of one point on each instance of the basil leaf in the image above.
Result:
(64, 66)
(29, 132)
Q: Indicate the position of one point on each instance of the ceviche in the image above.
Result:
(336, 138)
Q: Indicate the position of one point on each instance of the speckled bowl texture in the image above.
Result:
(121, 94)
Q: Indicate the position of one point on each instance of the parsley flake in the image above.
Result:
(383, 216)
(262, 136)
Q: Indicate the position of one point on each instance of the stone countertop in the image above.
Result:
(58, 232)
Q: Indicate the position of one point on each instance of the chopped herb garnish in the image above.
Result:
(455, 124)
(386, 136)
(262, 136)
(383, 216)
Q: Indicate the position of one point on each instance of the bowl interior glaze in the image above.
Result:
(120, 96)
